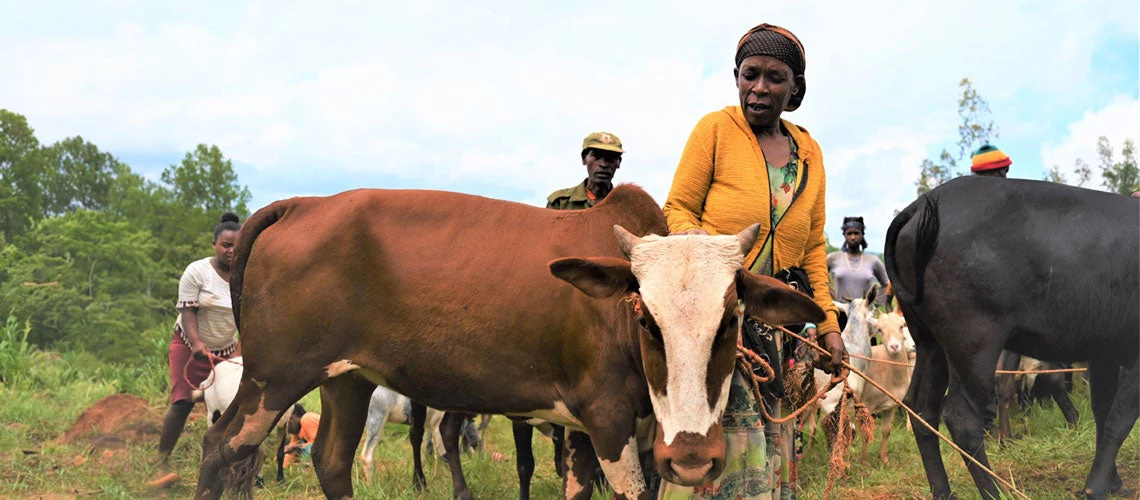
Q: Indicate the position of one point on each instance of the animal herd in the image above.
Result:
(596, 321)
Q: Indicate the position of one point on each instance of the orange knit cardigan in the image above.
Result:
(721, 186)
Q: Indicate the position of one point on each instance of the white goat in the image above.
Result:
(857, 341)
(895, 378)
(386, 406)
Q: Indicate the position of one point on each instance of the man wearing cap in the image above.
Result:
(989, 161)
(601, 154)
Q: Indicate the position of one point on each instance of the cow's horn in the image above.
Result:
(747, 237)
(626, 239)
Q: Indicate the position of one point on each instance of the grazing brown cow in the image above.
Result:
(383, 287)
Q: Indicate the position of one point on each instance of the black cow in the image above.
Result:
(1042, 269)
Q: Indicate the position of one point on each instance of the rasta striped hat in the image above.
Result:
(989, 157)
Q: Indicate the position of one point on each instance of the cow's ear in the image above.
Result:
(774, 302)
(598, 277)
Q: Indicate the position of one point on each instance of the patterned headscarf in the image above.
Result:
(770, 40)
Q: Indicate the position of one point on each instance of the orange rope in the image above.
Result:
(745, 359)
(913, 414)
(1000, 372)
(1034, 372)
(884, 361)
(211, 357)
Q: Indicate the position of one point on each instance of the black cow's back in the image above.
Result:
(1054, 267)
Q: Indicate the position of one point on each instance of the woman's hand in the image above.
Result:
(198, 350)
(695, 230)
(833, 342)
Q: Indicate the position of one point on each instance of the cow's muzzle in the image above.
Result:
(692, 459)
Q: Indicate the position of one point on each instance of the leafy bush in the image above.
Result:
(16, 354)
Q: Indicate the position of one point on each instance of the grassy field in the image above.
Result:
(40, 401)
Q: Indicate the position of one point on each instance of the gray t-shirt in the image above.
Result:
(855, 275)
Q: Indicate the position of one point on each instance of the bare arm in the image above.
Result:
(880, 272)
(190, 328)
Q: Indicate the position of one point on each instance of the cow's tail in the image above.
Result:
(925, 242)
(253, 227)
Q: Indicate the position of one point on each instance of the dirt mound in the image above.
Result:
(114, 421)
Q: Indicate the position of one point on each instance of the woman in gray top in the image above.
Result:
(854, 271)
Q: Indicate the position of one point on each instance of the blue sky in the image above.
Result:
(317, 98)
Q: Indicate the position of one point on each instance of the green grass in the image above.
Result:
(1049, 461)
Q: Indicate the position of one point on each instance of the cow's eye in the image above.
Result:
(653, 333)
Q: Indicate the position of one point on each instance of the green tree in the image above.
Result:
(1084, 173)
(20, 194)
(1120, 177)
(84, 279)
(77, 176)
(976, 129)
(206, 180)
(1054, 175)
(188, 204)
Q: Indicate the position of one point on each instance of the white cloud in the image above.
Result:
(443, 95)
(1119, 121)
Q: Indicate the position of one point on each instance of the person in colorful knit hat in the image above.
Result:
(989, 161)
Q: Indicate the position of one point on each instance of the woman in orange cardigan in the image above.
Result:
(744, 165)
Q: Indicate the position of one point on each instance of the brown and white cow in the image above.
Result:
(383, 287)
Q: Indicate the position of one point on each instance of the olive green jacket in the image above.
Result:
(571, 198)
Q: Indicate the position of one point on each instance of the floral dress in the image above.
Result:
(753, 463)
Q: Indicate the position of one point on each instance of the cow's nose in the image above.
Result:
(692, 473)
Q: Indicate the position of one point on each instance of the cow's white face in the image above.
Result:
(684, 283)
(690, 291)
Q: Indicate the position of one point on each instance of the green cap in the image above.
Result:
(602, 140)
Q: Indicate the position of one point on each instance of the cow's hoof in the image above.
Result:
(1123, 492)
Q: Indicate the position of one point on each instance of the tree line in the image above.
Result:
(977, 129)
(91, 251)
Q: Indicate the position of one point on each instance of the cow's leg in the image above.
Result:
(416, 436)
(524, 453)
(558, 437)
(1115, 394)
(344, 407)
(580, 467)
(616, 447)
(229, 446)
(450, 428)
(282, 437)
(925, 396)
(971, 391)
